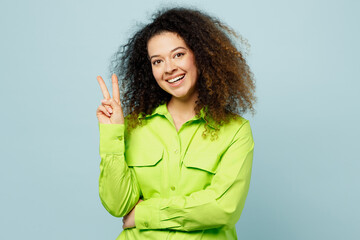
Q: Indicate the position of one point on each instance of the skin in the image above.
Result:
(110, 112)
(170, 57)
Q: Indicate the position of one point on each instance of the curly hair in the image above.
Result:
(225, 83)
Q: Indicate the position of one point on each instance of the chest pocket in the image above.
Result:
(147, 164)
(198, 171)
(202, 161)
(144, 157)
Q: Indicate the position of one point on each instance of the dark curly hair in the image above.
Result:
(225, 84)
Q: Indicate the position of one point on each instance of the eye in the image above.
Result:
(179, 55)
(156, 62)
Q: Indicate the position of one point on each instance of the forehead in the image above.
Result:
(164, 43)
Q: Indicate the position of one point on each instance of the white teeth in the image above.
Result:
(176, 79)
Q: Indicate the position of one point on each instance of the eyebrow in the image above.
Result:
(170, 51)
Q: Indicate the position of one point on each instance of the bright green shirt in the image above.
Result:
(193, 188)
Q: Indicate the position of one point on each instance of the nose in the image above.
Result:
(170, 67)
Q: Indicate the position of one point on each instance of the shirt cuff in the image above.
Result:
(154, 214)
(147, 214)
(111, 138)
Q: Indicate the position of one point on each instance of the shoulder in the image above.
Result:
(235, 123)
(235, 129)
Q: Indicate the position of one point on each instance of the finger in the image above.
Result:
(109, 109)
(103, 87)
(115, 85)
(124, 222)
(110, 102)
(103, 110)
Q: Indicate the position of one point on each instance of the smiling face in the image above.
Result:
(173, 65)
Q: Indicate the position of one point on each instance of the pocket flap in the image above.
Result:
(202, 161)
(145, 156)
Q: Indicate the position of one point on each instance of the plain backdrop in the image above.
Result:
(305, 58)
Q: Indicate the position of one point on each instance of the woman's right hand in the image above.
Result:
(110, 111)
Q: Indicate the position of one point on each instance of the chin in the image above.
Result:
(182, 95)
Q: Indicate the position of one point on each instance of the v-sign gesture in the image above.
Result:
(110, 111)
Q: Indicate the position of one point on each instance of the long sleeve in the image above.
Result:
(118, 187)
(218, 206)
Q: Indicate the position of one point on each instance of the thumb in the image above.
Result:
(111, 102)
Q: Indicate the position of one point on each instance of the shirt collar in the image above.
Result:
(162, 110)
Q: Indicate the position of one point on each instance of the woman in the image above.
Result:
(179, 165)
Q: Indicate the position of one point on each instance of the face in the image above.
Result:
(173, 65)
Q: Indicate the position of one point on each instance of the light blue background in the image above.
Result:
(305, 57)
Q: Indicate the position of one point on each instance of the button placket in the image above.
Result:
(175, 157)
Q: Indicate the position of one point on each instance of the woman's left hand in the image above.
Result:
(129, 219)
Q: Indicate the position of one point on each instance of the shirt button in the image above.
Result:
(146, 224)
(173, 188)
(176, 151)
(120, 138)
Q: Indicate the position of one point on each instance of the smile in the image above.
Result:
(176, 79)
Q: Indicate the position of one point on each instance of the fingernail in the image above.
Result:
(110, 110)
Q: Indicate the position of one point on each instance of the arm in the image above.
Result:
(219, 205)
(118, 188)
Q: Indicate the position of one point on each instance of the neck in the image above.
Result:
(182, 107)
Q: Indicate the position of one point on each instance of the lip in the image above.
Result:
(167, 79)
(178, 83)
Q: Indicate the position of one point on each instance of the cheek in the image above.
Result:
(190, 64)
(158, 76)
(156, 73)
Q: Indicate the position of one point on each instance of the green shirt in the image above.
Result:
(193, 188)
